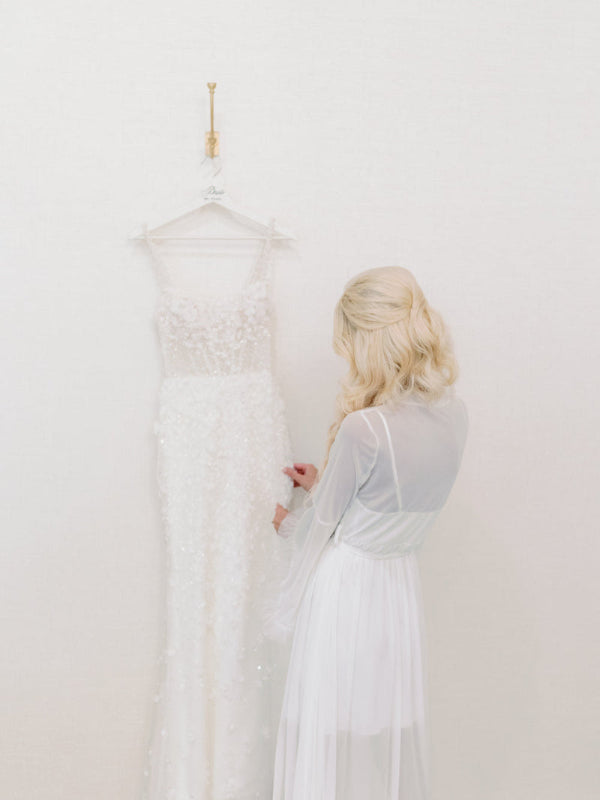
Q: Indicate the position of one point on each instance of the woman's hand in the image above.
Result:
(303, 475)
(280, 514)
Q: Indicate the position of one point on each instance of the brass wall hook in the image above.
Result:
(211, 137)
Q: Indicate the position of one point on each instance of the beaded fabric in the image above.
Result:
(222, 440)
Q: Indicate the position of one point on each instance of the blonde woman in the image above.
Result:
(354, 718)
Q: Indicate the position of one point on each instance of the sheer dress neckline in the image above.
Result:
(255, 276)
(236, 297)
(233, 299)
(223, 335)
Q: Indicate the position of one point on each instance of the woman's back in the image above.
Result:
(409, 455)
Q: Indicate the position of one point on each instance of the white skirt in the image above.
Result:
(354, 721)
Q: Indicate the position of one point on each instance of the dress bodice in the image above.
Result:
(216, 338)
(220, 336)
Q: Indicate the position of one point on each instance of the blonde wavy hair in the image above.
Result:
(396, 344)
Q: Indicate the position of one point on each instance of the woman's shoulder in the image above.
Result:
(463, 412)
(456, 401)
(355, 421)
(357, 425)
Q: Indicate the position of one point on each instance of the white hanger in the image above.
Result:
(214, 196)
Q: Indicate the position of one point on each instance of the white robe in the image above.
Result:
(354, 716)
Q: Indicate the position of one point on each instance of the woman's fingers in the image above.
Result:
(294, 475)
(302, 474)
(279, 516)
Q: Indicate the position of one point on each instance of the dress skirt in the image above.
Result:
(221, 442)
(354, 723)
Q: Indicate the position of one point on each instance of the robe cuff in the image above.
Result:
(288, 525)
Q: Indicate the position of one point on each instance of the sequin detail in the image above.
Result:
(222, 439)
(218, 338)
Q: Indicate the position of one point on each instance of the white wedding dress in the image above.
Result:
(354, 722)
(222, 443)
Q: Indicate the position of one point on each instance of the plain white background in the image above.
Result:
(458, 139)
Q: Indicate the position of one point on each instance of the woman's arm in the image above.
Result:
(351, 459)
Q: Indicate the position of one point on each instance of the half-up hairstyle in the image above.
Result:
(396, 344)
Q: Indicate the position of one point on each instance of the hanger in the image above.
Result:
(213, 195)
(224, 202)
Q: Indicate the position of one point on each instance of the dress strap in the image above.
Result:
(162, 269)
(338, 530)
(260, 269)
(389, 438)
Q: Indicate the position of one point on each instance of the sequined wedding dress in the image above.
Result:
(222, 442)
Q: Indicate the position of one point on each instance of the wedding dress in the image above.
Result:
(354, 722)
(222, 442)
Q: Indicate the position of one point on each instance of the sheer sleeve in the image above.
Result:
(307, 529)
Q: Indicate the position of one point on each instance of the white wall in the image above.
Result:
(457, 139)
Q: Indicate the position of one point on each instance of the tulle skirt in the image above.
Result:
(354, 722)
